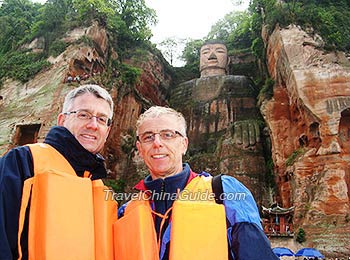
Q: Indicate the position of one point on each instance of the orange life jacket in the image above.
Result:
(198, 227)
(70, 217)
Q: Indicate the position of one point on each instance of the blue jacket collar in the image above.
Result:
(169, 184)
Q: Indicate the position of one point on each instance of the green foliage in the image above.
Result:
(129, 74)
(330, 19)
(270, 178)
(131, 24)
(182, 74)
(266, 92)
(258, 48)
(51, 21)
(127, 23)
(86, 40)
(116, 185)
(16, 18)
(127, 20)
(190, 53)
(234, 29)
(21, 65)
(294, 156)
(301, 236)
(57, 47)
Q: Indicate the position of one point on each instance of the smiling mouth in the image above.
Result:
(90, 137)
(159, 156)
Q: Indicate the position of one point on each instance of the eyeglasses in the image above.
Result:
(85, 116)
(165, 135)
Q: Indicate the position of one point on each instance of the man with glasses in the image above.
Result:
(74, 146)
(174, 194)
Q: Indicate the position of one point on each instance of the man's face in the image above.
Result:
(90, 133)
(213, 57)
(162, 157)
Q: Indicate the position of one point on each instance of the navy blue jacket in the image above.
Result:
(246, 238)
(17, 165)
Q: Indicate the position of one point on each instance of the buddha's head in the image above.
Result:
(213, 59)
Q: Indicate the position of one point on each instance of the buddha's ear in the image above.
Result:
(228, 63)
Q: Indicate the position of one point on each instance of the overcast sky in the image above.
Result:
(185, 19)
(189, 18)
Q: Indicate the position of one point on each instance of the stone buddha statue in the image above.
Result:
(223, 119)
(213, 59)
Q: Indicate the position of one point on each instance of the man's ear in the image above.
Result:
(60, 119)
(185, 145)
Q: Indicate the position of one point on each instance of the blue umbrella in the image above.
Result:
(282, 251)
(309, 252)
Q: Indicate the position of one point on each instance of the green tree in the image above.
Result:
(301, 237)
(234, 29)
(51, 22)
(21, 65)
(89, 10)
(16, 18)
(190, 53)
(328, 18)
(169, 48)
(133, 21)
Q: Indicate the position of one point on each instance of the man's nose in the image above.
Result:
(93, 123)
(157, 140)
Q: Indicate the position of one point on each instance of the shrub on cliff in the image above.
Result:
(301, 237)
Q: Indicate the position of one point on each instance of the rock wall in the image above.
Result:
(224, 128)
(308, 119)
(123, 161)
(39, 101)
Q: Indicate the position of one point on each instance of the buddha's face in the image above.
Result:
(213, 59)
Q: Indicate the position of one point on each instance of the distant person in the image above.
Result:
(69, 79)
(77, 78)
(67, 169)
(174, 194)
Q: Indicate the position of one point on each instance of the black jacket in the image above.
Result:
(17, 165)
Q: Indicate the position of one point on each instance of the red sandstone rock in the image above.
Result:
(309, 116)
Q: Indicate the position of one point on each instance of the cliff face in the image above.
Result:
(28, 111)
(123, 161)
(223, 128)
(309, 122)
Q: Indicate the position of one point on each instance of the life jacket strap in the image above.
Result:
(218, 190)
(163, 217)
(87, 174)
(27, 188)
